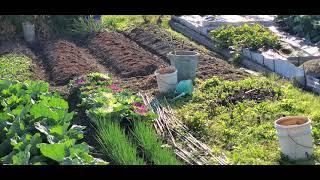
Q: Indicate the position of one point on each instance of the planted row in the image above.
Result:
(35, 127)
(123, 124)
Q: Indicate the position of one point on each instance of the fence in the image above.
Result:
(284, 68)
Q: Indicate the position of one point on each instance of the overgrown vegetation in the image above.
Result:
(35, 127)
(307, 26)
(241, 127)
(253, 37)
(116, 112)
(15, 67)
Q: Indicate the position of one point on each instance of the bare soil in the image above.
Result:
(166, 70)
(65, 61)
(257, 95)
(158, 43)
(123, 56)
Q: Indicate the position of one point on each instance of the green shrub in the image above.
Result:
(307, 26)
(84, 26)
(252, 37)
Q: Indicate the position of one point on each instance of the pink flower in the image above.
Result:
(139, 108)
(80, 81)
(115, 88)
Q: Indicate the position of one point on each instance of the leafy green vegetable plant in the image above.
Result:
(252, 37)
(35, 127)
(15, 67)
(115, 111)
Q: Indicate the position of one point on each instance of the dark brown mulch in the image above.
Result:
(20, 47)
(122, 55)
(65, 61)
(257, 95)
(210, 65)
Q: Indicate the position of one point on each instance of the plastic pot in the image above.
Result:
(185, 62)
(294, 133)
(166, 82)
(28, 31)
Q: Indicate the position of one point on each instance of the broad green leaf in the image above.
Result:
(58, 129)
(56, 151)
(76, 132)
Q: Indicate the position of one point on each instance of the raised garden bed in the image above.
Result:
(65, 61)
(122, 55)
(158, 42)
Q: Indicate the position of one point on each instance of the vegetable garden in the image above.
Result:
(77, 96)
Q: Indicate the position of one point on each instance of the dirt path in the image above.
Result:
(158, 43)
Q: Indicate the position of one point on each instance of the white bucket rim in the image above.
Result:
(292, 126)
(191, 53)
(169, 74)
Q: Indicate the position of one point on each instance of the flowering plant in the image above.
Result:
(104, 98)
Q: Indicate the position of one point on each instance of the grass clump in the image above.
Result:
(115, 144)
(243, 128)
(15, 67)
(152, 147)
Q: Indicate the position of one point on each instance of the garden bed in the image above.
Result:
(65, 61)
(159, 42)
(34, 68)
(122, 55)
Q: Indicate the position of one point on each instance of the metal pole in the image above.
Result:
(274, 66)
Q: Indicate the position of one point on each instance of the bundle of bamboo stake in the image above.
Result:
(177, 135)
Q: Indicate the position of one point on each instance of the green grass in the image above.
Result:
(245, 130)
(152, 146)
(115, 143)
(15, 67)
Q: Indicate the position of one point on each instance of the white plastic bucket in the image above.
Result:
(167, 82)
(28, 31)
(294, 133)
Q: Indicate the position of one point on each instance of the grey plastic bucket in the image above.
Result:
(185, 62)
(28, 31)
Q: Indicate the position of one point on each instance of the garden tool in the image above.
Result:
(183, 88)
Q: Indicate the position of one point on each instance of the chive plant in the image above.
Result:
(152, 148)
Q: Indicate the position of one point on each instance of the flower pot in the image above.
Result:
(166, 81)
(186, 63)
(28, 31)
(294, 133)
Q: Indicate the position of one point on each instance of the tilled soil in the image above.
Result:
(159, 43)
(65, 61)
(257, 95)
(20, 47)
(123, 56)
